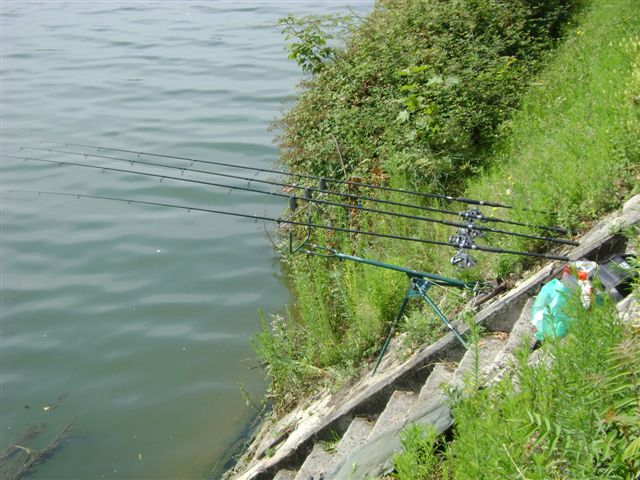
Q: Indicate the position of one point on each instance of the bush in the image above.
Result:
(427, 93)
(421, 86)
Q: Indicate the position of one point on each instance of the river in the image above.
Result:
(135, 322)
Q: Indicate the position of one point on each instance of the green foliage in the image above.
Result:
(422, 328)
(309, 38)
(617, 444)
(290, 375)
(573, 147)
(424, 83)
(573, 414)
(428, 94)
(418, 459)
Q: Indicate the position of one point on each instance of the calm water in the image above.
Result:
(136, 321)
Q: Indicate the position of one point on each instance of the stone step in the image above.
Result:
(629, 310)
(355, 436)
(488, 350)
(371, 460)
(431, 391)
(285, 475)
(394, 413)
(522, 332)
(427, 408)
(318, 461)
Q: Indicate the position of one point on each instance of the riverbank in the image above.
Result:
(542, 138)
(358, 431)
(566, 144)
(567, 410)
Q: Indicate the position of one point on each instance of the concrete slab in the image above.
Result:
(629, 310)
(285, 475)
(315, 465)
(355, 436)
(431, 391)
(521, 334)
(395, 412)
(488, 350)
(371, 460)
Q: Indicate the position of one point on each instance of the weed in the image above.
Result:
(331, 445)
(419, 459)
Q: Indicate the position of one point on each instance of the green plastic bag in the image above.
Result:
(547, 311)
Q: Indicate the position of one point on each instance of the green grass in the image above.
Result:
(574, 145)
(564, 140)
(574, 415)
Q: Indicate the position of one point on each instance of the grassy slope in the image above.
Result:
(572, 148)
(575, 415)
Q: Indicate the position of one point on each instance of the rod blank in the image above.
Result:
(282, 221)
(293, 200)
(298, 175)
(309, 190)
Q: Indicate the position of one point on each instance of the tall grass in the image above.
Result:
(575, 414)
(574, 145)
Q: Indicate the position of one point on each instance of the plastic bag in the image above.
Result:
(547, 311)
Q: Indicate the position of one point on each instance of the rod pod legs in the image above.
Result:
(418, 287)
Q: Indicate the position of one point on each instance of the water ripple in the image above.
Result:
(144, 314)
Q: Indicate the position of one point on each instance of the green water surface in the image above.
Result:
(135, 322)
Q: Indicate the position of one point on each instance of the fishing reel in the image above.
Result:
(462, 259)
(472, 214)
(464, 239)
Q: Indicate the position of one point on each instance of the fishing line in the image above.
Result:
(293, 199)
(351, 196)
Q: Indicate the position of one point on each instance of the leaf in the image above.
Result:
(411, 102)
(418, 68)
(412, 87)
(627, 420)
(403, 116)
(632, 449)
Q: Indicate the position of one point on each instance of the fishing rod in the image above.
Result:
(282, 221)
(298, 175)
(472, 214)
(307, 195)
(350, 196)
(463, 240)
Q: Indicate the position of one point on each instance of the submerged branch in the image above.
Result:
(32, 458)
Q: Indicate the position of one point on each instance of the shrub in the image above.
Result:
(421, 86)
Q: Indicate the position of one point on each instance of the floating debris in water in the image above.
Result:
(27, 458)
